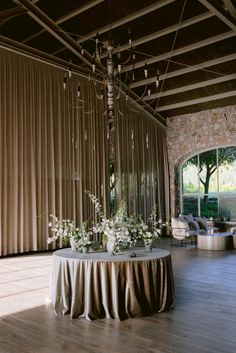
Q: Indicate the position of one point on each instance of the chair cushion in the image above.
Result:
(180, 228)
(202, 223)
(179, 222)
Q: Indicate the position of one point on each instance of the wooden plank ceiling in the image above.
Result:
(191, 42)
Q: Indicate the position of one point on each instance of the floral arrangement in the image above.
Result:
(83, 239)
(154, 226)
(124, 230)
(62, 229)
(118, 229)
(65, 230)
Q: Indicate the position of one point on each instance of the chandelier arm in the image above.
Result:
(119, 90)
(127, 60)
(149, 103)
(89, 111)
(98, 96)
(143, 94)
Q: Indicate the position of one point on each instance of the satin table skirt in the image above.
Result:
(96, 285)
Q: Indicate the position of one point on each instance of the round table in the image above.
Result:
(216, 241)
(96, 285)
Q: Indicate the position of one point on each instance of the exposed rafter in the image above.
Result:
(197, 101)
(67, 17)
(219, 12)
(186, 70)
(230, 6)
(122, 21)
(165, 31)
(197, 85)
(213, 18)
(12, 12)
(6, 15)
(48, 24)
(187, 48)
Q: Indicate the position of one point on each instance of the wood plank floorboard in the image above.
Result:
(202, 321)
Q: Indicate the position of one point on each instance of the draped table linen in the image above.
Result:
(96, 285)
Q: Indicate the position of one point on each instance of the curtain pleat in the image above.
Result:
(140, 160)
(53, 148)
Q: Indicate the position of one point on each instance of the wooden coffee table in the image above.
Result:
(216, 241)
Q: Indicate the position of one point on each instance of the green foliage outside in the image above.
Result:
(209, 209)
(205, 167)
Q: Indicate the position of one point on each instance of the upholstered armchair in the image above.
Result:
(181, 231)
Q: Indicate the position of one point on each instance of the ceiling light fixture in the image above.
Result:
(109, 76)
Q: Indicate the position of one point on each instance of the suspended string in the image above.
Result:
(172, 49)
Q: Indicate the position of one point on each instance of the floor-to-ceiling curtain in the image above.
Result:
(52, 148)
(140, 158)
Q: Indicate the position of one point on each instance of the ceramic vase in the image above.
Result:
(73, 244)
(110, 247)
(148, 247)
(84, 249)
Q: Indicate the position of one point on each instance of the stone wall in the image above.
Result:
(190, 134)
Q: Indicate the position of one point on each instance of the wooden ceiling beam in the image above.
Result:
(193, 86)
(165, 31)
(219, 12)
(67, 17)
(230, 7)
(185, 70)
(12, 12)
(197, 101)
(182, 50)
(49, 25)
(8, 14)
(133, 16)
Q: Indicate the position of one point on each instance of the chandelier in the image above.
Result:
(110, 77)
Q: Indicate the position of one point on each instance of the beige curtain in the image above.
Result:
(51, 149)
(140, 158)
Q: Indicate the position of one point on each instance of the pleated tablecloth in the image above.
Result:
(96, 285)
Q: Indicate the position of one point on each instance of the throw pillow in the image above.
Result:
(202, 223)
(194, 225)
(188, 217)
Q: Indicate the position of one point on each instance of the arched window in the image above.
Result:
(209, 184)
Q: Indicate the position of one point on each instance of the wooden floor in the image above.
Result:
(203, 320)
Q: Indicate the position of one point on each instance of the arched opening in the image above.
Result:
(208, 187)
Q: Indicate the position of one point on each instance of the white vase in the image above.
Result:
(84, 249)
(110, 247)
(148, 247)
(73, 244)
